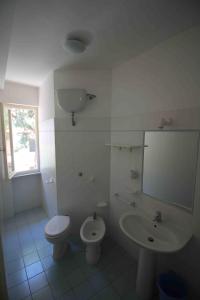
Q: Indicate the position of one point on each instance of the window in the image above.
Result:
(21, 139)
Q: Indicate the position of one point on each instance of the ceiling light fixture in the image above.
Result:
(75, 45)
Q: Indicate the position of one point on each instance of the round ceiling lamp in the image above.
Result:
(75, 45)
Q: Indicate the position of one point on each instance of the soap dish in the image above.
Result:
(102, 204)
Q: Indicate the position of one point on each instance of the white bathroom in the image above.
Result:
(99, 150)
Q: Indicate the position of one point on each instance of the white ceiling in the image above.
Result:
(119, 29)
(7, 9)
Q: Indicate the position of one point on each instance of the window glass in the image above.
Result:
(8, 142)
(24, 136)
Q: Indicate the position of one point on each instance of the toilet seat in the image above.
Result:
(57, 237)
(57, 226)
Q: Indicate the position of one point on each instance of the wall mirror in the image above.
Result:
(170, 166)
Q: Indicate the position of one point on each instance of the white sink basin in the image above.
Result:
(160, 237)
(153, 237)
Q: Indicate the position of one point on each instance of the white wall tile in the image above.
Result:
(82, 148)
(77, 149)
(46, 99)
(81, 152)
(48, 166)
(27, 192)
(162, 82)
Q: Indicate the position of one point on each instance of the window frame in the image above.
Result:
(9, 106)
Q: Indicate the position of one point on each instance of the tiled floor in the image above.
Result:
(32, 273)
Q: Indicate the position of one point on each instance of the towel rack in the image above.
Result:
(125, 146)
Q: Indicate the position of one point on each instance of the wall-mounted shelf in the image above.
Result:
(125, 146)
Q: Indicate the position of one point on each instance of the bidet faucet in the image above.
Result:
(158, 217)
(94, 215)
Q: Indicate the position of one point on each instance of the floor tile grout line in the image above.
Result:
(25, 266)
(29, 288)
(39, 288)
(22, 268)
(78, 265)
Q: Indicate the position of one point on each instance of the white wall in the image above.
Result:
(7, 12)
(6, 193)
(161, 82)
(82, 148)
(164, 78)
(16, 195)
(27, 192)
(47, 145)
(1, 176)
(18, 93)
(65, 150)
(48, 166)
(46, 99)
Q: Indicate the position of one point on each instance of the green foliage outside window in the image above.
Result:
(24, 123)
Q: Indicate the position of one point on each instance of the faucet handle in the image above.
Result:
(158, 216)
(94, 215)
(132, 203)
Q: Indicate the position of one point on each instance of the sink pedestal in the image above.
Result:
(145, 274)
(162, 238)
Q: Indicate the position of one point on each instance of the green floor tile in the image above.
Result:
(76, 278)
(71, 278)
(107, 294)
(131, 295)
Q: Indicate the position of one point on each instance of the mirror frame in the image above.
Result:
(190, 210)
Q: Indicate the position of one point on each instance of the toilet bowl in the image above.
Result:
(92, 232)
(56, 233)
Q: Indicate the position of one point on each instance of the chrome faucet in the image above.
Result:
(158, 217)
(94, 215)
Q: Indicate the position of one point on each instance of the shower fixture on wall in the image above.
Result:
(165, 122)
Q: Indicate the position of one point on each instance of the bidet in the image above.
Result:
(92, 232)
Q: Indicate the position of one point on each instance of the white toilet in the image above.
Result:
(56, 232)
(92, 232)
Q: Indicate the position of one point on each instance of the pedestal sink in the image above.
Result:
(152, 237)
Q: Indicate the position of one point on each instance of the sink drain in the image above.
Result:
(150, 239)
(93, 233)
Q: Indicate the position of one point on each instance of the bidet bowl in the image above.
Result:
(93, 230)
